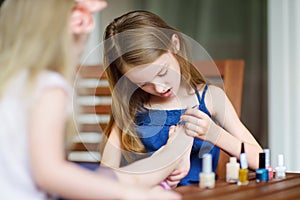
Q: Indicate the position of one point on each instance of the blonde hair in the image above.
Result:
(35, 36)
(134, 39)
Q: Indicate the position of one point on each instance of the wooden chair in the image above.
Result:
(95, 115)
(232, 74)
(94, 99)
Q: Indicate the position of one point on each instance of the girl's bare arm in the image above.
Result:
(54, 174)
(228, 132)
(151, 170)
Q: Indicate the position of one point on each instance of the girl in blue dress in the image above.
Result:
(154, 88)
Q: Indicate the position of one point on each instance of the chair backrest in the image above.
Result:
(232, 74)
(95, 100)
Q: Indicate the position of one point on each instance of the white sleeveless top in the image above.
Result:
(16, 180)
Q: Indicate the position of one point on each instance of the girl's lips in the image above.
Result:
(167, 93)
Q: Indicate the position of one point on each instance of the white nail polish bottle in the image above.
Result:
(207, 177)
(232, 170)
(280, 169)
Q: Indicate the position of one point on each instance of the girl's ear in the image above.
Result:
(176, 42)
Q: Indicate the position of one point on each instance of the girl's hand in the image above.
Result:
(184, 166)
(173, 179)
(172, 134)
(198, 124)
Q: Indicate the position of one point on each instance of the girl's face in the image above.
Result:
(160, 78)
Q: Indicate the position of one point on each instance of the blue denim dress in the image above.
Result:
(153, 128)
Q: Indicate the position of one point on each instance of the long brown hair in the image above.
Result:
(133, 39)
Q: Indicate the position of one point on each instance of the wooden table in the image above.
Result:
(288, 188)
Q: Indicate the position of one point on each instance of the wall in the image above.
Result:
(284, 80)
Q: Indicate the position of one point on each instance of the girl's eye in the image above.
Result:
(163, 72)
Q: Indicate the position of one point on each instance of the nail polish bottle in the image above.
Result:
(232, 170)
(262, 174)
(243, 172)
(280, 169)
(268, 165)
(207, 177)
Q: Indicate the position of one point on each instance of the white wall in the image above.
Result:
(91, 54)
(284, 81)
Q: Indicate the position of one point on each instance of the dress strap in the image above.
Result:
(201, 99)
(203, 94)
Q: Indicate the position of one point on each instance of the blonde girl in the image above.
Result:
(154, 87)
(40, 46)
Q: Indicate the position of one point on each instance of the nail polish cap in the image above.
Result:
(242, 148)
(206, 163)
(262, 160)
(232, 160)
(267, 155)
(280, 160)
(243, 161)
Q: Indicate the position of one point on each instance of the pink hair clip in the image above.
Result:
(82, 21)
(92, 5)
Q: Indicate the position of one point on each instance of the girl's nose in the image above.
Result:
(160, 88)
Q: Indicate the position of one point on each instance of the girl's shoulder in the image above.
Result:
(212, 95)
(51, 79)
(48, 80)
(209, 88)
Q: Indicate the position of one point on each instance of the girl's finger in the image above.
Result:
(172, 184)
(200, 130)
(191, 133)
(177, 177)
(196, 113)
(191, 119)
(175, 172)
(172, 129)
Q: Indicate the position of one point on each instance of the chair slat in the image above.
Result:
(98, 109)
(94, 71)
(86, 146)
(96, 128)
(98, 91)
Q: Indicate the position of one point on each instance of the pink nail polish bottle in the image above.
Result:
(268, 165)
